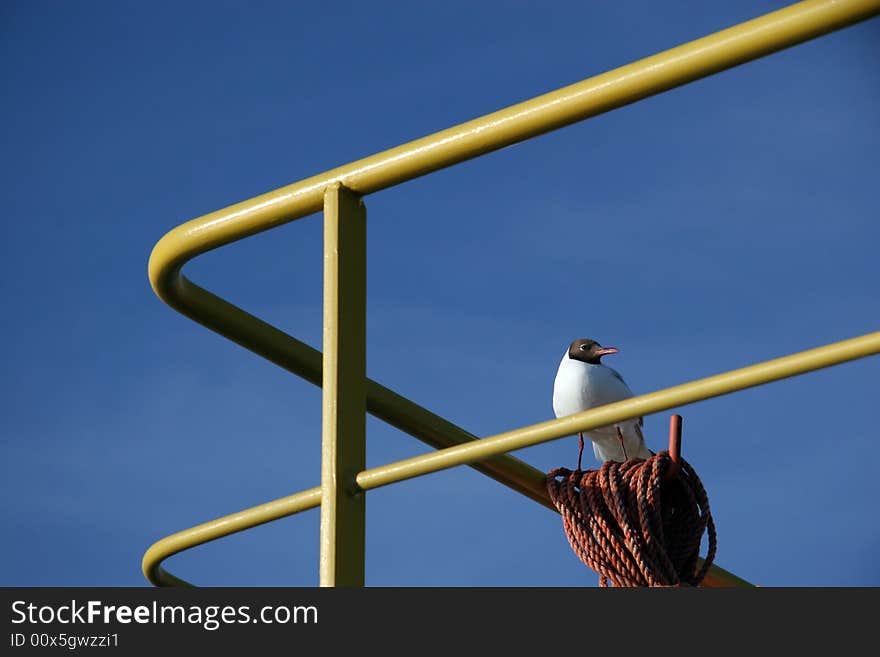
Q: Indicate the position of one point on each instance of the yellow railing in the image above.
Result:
(348, 394)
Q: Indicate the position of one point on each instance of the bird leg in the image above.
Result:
(622, 446)
(581, 450)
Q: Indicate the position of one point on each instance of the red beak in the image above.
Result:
(605, 351)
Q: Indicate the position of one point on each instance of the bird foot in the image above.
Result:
(581, 450)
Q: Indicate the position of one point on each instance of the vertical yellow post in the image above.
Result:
(343, 507)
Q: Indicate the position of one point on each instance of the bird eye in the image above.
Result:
(583, 347)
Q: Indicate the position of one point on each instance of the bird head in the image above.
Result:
(589, 351)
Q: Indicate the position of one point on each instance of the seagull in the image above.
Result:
(583, 382)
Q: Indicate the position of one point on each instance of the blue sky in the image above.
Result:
(714, 226)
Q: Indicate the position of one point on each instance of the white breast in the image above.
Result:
(580, 386)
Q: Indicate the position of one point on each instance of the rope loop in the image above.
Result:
(637, 523)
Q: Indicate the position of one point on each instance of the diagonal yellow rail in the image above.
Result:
(455, 446)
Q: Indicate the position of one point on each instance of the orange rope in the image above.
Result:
(637, 523)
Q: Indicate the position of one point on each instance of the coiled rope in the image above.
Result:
(637, 523)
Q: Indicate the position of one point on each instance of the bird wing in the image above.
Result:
(617, 376)
(638, 430)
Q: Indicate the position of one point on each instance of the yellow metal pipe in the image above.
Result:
(680, 395)
(211, 531)
(621, 86)
(343, 452)
(275, 510)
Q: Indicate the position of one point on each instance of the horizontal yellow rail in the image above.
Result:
(616, 88)
(282, 508)
(211, 531)
(686, 393)
(602, 93)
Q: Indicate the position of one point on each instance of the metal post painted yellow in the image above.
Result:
(343, 454)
